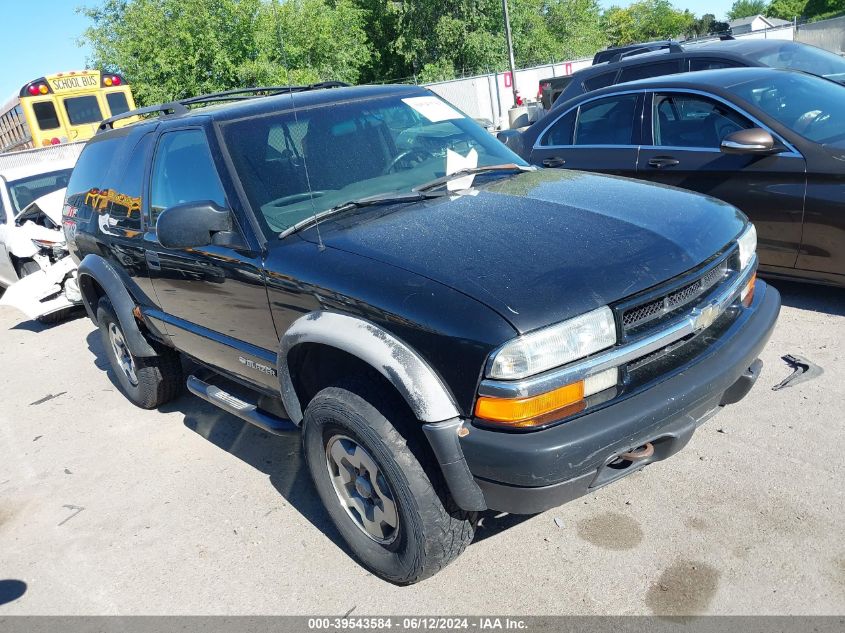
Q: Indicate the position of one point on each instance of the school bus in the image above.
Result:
(62, 108)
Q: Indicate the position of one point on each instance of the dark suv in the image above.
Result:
(656, 59)
(450, 329)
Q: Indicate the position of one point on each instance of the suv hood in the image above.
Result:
(544, 246)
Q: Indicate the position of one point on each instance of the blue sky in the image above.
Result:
(47, 31)
(39, 38)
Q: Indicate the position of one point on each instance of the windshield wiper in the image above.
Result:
(471, 171)
(380, 199)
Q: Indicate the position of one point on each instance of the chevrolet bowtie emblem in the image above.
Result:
(704, 317)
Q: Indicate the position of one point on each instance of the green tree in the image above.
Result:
(823, 9)
(444, 38)
(786, 9)
(746, 9)
(703, 25)
(646, 20)
(577, 28)
(171, 49)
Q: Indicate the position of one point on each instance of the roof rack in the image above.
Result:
(239, 94)
(672, 45)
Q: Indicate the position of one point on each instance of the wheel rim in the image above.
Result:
(362, 489)
(125, 360)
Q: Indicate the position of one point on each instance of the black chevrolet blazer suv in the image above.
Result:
(450, 329)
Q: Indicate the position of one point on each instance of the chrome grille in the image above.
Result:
(638, 316)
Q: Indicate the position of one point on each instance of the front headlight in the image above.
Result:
(747, 246)
(554, 345)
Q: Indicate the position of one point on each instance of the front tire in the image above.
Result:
(382, 489)
(147, 382)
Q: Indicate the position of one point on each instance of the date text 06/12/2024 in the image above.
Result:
(480, 623)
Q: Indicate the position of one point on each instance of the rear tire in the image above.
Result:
(352, 428)
(147, 382)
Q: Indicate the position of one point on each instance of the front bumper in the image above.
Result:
(524, 473)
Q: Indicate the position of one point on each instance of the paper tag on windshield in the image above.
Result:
(456, 162)
(433, 109)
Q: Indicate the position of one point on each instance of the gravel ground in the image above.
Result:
(109, 509)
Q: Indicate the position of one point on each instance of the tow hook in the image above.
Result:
(641, 452)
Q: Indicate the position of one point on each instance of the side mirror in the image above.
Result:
(750, 141)
(194, 224)
(511, 138)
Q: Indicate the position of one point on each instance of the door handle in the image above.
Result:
(663, 161)
(554, 161)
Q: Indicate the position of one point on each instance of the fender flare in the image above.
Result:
(97, 268)
(406, 370)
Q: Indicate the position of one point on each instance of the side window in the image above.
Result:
(704, 63)
(693, 121)
(85, 188)
(654, 69)
(183, 171)
(45, 114)
(125, 198)
(599, 81)
(560, 133)
(607, 121)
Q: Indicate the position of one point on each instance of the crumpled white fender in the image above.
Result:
(41, 293)
(20, 239)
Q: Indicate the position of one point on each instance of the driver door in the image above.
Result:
(212, 299)
(686, 130)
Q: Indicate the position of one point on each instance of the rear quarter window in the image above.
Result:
(90, 177)
(599, 81)
(705, 63)
(653, 69)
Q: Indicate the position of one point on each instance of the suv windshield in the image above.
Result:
(26, 190)
(293, 166)
(809, 105)
(810, 59)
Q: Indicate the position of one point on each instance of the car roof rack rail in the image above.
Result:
(671, 45)
(238, 94)
(162, 109)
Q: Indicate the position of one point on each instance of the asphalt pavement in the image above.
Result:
(109, 509)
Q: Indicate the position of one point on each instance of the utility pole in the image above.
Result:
(510, 48)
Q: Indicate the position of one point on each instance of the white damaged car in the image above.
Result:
(33, 247)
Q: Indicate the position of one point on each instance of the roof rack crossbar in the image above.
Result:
(238, 94)
(174, 107)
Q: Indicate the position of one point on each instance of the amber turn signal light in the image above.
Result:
(747, 294)
(524, 412)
